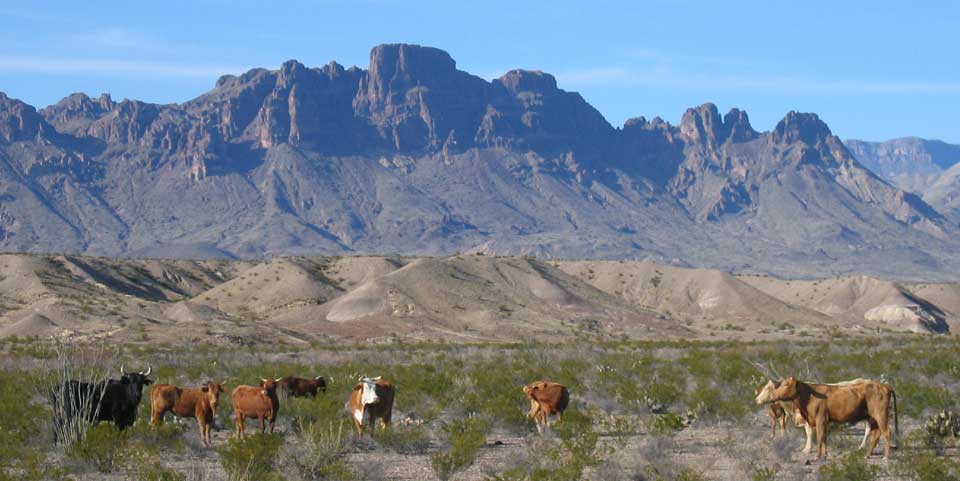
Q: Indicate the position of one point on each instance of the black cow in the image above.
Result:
(113, 400)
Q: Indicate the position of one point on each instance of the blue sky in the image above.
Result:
(873, 70)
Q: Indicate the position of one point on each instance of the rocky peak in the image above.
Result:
(18, 121)
(702, 124)
(517, 80)
(736, 126)
(801, 127)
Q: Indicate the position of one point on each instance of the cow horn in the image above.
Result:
(149, 370)
(377, 378)
(278, 379)
(121, 370)
(262, 379)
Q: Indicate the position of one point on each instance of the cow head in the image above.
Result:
(368, 393)
(212, 390)
(532, 388)
(269, 386)
(321, 383)
(786, 391)
(765, 392)
(135, 381)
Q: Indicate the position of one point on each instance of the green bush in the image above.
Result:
(668, 423)
(404, 439)
(928, 467)
(850, 467)
(252, 459)
(464, 438)
(321, 452)
(100, 448)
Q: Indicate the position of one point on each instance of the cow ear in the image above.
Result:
(147, 382)
(205, 389)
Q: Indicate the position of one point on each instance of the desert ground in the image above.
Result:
(640, 410)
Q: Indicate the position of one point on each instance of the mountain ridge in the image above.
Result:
(414, 156)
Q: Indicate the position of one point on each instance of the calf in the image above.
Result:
(256, 402)
(301, 387)
(546, 398)
(200, 403)
(821, 404)
(371, 399)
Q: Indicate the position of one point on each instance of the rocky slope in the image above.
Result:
(413, 156)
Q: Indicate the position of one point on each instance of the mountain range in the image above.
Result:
(926, 167)
(413, 156)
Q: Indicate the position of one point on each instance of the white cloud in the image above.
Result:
(17, 64)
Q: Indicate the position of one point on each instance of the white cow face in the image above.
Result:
(765, 392)
(369, 394)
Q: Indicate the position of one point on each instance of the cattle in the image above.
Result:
(200, 403)
(256, 402)
(301, 387)
(546, 398)
(779, 413)
(821, 404)
(113, 400)
(371, 399)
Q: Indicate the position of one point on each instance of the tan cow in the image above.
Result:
(546, 398)
(780, 412)
(371, 399)
(821, 404)
(200, 403)
(256, 402)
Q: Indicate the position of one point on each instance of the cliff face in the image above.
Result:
(412, 155)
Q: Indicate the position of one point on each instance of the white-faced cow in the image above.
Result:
(822, 404)
(184, 402)
(114, 400)
(370, 400)
(256, 402)
(546, 398)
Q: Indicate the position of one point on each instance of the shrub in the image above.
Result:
(321, 452)
(928, 467)
(668, 423)
(851, 467)
(252, 459)
(465, 437)
(404, 439)
(100, 448)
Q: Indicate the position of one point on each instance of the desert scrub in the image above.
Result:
(927, 467)
(404, 439)
(100, 449)
(463, 439)
(252, 459)
(319, 453)
(851, 466)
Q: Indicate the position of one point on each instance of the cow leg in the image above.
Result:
(808, 448)
(358, 422)
(773, 424)
(239, 425)
(866, 435)
(263, 423)
(272, 420)
(821, 440)
(874, 436)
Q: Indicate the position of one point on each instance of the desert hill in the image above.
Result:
(462, 298)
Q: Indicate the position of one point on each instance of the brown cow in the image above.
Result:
(546, 398)
(780, 411)
(256, 402)
(821, 404)
(302, 387)
(184, 402)
(371, 399)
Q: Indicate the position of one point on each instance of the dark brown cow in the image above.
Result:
(371, 399)
(200, 403)
(546, 398)
(821, 404)
(302, 387)
(256, 402)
